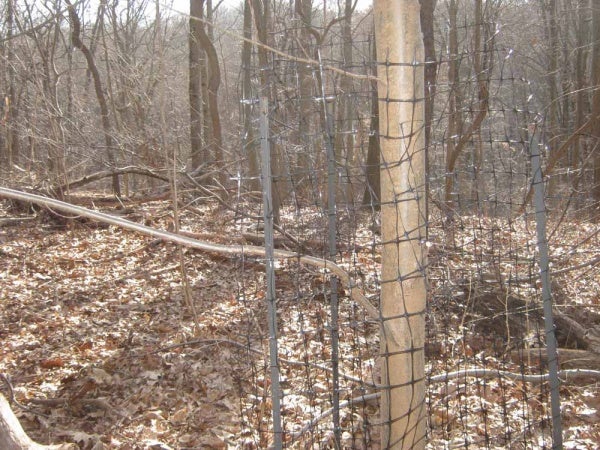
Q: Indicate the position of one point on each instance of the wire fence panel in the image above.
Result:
(413, 231)
(491, 373)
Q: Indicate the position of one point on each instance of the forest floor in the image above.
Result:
(111, 339)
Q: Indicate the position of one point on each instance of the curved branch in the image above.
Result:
(87, 179)
(571, 374)
(244, 250)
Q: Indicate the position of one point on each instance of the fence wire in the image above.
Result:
(487, 351)
(424, 289)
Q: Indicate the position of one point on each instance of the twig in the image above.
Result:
(12, 399)
(352, 402)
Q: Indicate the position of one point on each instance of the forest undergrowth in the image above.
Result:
(100, 346)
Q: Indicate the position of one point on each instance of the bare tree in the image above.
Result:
(99, 89)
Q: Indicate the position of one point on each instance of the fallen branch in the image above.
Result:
(87, 179)
(571, 374)
(242, 250)
(13, 437)
(489, 374)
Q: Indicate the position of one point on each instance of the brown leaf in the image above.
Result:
(52, 363)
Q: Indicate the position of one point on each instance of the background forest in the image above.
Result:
(157, 112)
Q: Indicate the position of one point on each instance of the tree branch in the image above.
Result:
(242, 250)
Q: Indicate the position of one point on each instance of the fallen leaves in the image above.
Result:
(93, 322)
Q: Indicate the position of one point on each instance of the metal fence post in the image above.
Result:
(551, 346)
(270, 273)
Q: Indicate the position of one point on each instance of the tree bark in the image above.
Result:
(10, 154)
(372, 195)
(212, 91)
(400, 56)
(195, 97)
(104, 113)
(596, 98)
(250, 144)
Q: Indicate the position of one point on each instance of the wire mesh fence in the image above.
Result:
(412, 237)
(491, 369)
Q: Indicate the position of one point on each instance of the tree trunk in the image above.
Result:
(372, 195)
(212, 90)
(104, 114)
(262, 18)
(427, 18)
(195, 97)
(454, 117)
(347, 118)
(303, 10)
(403, 294)
(250, 146)
(11, 145)
(595, 78)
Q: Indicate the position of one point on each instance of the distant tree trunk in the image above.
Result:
(580, 97)
(458, 134)
(454, 129)
(197, 151)
(427, 18)
(401, 129)
(104, 113)
(372, 195)
(552, 126)
(303, 10)
(481, 73)
(347, 112)
(595, 78)
(250, 144)
(213, 83)
(10, 151)
(207, 131)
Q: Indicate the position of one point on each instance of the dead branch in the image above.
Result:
(13, 437)
(234, 250)
(488, 374)
(87, 179)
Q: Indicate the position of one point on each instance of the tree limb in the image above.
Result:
(242, 250)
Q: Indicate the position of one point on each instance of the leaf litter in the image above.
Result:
(101, 348)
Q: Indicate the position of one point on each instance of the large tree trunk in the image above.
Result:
(402, 135)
